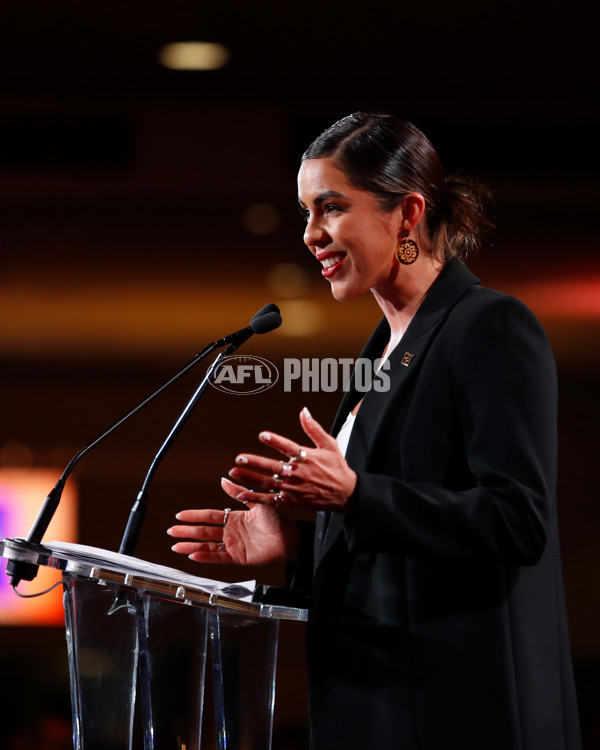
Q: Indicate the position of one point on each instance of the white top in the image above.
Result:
(343, 436)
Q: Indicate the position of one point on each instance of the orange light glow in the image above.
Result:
(565, 298)
(22, 493)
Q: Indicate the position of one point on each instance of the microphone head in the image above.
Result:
(264, 310)
(266, 322)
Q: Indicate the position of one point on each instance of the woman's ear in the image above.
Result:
(413, 208)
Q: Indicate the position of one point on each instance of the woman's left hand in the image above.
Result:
(318, 478)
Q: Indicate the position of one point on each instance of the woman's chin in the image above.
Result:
(343, 293)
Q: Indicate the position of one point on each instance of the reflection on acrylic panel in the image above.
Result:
(22, 493)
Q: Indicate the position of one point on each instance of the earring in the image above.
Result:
(407, 251)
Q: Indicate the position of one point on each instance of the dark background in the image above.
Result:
(124, 247)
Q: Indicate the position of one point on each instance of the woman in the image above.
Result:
(437, 617)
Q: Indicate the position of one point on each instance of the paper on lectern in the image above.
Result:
(127, 564)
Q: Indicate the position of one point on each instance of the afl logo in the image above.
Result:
(244, 375)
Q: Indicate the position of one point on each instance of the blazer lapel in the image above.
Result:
(372, 350)
(404, 363)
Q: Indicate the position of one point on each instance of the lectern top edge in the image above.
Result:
(155, 583)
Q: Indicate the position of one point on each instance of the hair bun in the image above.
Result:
(460, 221)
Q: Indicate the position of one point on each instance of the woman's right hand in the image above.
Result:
(257, 536)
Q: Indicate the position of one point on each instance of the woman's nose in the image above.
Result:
(315, 235)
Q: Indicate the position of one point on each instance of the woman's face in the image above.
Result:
(347, 232)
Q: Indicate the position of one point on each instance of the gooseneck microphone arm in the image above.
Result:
(20, 570)
(24, 571)
(51, 503)
(259, 324)
(138, 511)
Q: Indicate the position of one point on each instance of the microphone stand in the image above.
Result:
(138, 511)
(266, 319)
(20, 570)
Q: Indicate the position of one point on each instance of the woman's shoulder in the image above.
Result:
(482, 300)
(460, 291)
(486, 317)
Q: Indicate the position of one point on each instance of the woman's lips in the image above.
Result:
(331, 263)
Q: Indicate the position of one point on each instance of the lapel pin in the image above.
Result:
(407, 358)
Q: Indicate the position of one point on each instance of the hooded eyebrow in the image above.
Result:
(326, 196)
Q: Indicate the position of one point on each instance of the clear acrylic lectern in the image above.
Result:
(145, 642)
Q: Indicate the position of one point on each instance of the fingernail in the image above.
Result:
(173, 548)
(265, 436)
(170, 532)
(178, 516)
(306, 413)
(234, 473)
(241, 460)
(241, 497)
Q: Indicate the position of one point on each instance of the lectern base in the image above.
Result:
(142, 648)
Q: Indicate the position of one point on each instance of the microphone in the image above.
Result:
(266, 319)
(27, 571)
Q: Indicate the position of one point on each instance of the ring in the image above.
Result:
(286, 469)
(300, 456)
(278, 499)
(221, 547)
(226, 516)
(277, 479)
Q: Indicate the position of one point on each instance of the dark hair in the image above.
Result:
(390, 157)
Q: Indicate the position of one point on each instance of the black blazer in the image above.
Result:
(437, 618)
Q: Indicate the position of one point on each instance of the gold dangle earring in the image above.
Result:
(407, 251)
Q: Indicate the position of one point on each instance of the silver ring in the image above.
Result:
(278, 499)
(286, 469)
(221, 547)
(300, 457)
(277, 479)
(226, 516)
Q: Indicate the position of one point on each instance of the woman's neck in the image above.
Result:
(402, 297)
